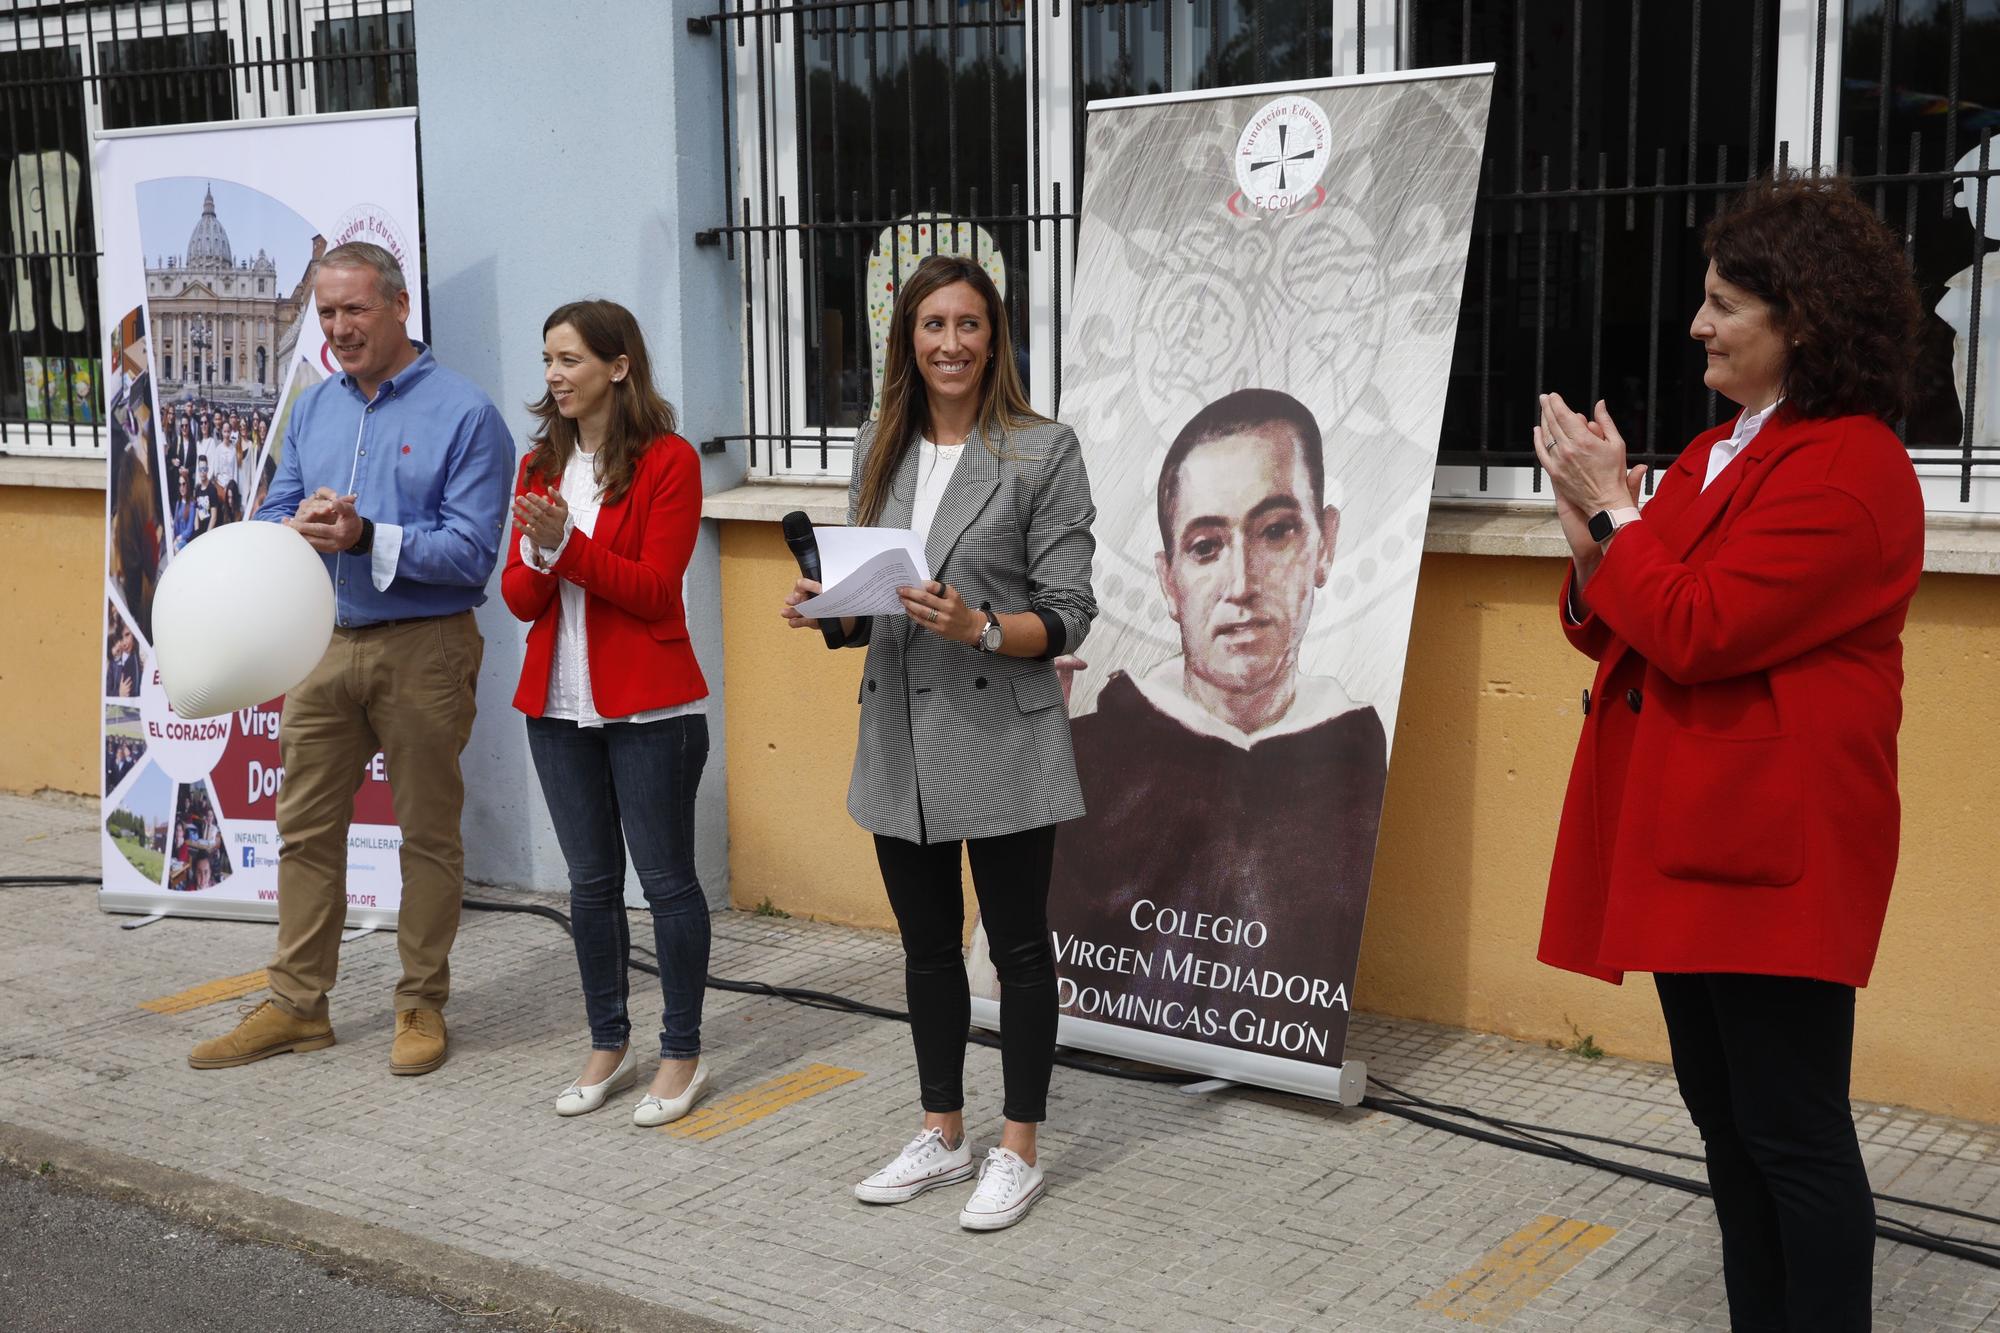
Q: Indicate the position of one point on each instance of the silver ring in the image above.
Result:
(933, 617)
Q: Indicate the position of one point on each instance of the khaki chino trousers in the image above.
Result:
(407, 689)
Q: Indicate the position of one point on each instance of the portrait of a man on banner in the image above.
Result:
(1197, 770)
(1267, 286)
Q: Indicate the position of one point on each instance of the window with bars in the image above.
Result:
(68, 70)
(862, 135)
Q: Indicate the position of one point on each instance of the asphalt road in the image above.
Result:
(70, 1261)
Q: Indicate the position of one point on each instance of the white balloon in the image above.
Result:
(243, 613)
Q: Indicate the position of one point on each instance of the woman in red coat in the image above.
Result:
(607, 508)
(1732, 818)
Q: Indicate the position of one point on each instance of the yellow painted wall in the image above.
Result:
(51, 656)
(1482, 750)
(1488, 721)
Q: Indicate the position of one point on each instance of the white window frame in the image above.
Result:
(250, 29)
(1046, 34)
(1388, 44)
(312, 13)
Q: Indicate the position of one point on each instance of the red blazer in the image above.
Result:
(1733, 806)
(630, 570)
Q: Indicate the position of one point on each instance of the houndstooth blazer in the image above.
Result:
(956, 743)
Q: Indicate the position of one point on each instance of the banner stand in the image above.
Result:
(1268, 283)
(1345, 1083)
(211, 237)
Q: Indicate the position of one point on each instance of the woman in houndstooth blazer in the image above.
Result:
(964, 737)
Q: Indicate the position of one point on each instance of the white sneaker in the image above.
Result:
(924, 1165)
(1008, 1188)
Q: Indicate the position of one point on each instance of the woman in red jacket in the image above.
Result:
(1732, 818)
(607, 507)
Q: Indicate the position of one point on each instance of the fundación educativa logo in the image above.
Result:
(376, 224)
(1279, 158)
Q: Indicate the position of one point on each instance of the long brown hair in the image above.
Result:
(1003, 399)
(639, 415)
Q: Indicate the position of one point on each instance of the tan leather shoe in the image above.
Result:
(420, 1042)
(266, 1030)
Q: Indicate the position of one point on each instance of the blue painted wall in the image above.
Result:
(573, 148)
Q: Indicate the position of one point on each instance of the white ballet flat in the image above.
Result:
(653, 1110)
(579, 1098)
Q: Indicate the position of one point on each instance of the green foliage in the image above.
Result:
(766, 909)
(143, 858)
(1582, 1044)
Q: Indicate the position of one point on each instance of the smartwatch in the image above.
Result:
(365, 543)
(1605, 523)
(989, 638)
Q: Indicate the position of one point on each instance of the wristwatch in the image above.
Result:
(989, 638)
(1605, 523)
(366, 541)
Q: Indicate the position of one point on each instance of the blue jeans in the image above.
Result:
(607, 787)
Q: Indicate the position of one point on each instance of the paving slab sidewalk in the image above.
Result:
(1167, 1211)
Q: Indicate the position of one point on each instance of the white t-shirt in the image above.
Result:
(934, 467)
(569, 697)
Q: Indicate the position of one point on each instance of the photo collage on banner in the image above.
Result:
(1255, 359)
(212, 235)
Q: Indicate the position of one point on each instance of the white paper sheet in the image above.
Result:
(861, 568)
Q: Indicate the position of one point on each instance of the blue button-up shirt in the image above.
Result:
(431, 463)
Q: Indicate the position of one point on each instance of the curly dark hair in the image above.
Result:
(1839, 288)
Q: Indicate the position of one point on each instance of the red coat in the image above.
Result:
(630, 569)
(1732, 806)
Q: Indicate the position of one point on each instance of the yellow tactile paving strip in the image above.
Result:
(209, 992)
(1516, 1271)
(753, 1104)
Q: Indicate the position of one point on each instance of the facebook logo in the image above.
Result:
(249, 856)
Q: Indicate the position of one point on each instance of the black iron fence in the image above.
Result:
(68, 70)
(884, 128)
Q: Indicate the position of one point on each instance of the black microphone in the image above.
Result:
(805, 549)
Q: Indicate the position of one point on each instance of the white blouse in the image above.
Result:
(570, 698)
(934, 467)
(1724, 452)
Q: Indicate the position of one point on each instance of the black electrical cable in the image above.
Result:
(813, 999)
(1414, 1100)
(1986, 1253)
(1518, 1135)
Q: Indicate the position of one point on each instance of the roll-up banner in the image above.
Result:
(1256, 356)
(210, 237)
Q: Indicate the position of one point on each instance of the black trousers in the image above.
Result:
(1010, 875)
(1763, 1066)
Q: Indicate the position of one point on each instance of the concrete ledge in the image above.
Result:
(769, 501)
(1952, 544)
(1962, 545)
(1457, 528)
(81, 474)
(396, 1258)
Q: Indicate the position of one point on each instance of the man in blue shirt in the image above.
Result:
(398, 472)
